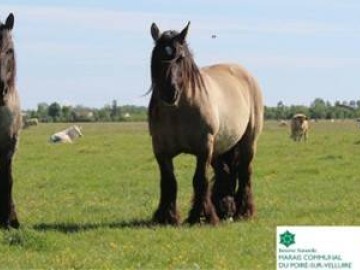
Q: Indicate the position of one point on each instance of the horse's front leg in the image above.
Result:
(167, 212)
(202, 203)
(8, 217)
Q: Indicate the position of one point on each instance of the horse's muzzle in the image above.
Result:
(170, 97)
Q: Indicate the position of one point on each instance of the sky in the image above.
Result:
(90, 53)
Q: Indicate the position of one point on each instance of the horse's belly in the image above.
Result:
(229, 134)
(224, 141)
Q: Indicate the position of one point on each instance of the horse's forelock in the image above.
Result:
(188, 74)
(7, 50)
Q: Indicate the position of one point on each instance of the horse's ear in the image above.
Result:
(9, 23)
(182, 36)
(155, 32)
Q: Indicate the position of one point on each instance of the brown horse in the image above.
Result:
(214, 113)
(10, 123)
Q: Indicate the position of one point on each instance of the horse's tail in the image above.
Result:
(258, 108)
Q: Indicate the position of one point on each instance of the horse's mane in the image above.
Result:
(7, 42)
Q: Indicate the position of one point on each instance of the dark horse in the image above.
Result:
(214, 113)
(10, 123)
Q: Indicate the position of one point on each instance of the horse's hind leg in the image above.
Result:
(244, 154)
(224, 186)
(167, 212)
(8, 217)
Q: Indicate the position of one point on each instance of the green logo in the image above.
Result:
(287, 239)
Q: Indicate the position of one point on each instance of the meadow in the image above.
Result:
(88, 205)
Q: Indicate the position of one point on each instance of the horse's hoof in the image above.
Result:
(225, 208)
(244, 215)
(4, 225)
(10, 224)
(15, 224)
(166, 218)
(192, 221)
(214, 220)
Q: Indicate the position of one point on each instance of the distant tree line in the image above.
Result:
(318, 109)
(55, 112)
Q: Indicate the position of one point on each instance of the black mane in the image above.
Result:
(7, 50)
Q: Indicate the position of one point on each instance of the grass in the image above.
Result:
(87, 205)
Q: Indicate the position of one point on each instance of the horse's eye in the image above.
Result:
(169, 50)
(10, 51)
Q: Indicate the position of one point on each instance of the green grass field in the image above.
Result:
(86, 205)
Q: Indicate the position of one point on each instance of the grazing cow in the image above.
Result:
(10, 123)
(67, 135)
(30, 122)
(299, 127)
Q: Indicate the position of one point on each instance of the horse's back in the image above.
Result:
(239, 103)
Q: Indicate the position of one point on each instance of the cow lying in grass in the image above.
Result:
(67, 135)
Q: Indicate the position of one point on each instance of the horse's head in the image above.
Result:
(7, 58)
(167, 62)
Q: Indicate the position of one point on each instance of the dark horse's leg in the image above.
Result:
(223, 190)
(167, 212)
(8, 217)
(244, 154)
(202, 204)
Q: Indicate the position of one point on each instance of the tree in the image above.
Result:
(318, 109)
(42, 111)
(54, 111)
(352, 104)
(115, 113)
(104, 114)
(280, 110)
(358, 104)
(66, 113)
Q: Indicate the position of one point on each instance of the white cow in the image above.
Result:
(30, 122)
(67, 135)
